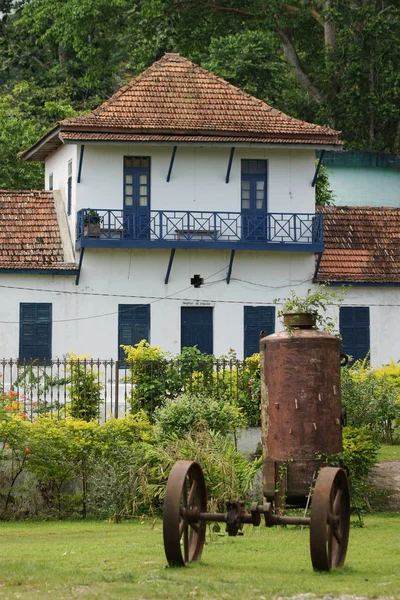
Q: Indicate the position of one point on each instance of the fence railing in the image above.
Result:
(102, 389)
(199, 227)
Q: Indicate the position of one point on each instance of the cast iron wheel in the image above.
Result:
(186, 494)
(330, 519)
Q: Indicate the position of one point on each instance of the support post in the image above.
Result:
(228, 171)
(171, 260)
(317, 266)
(314, 181)
(80, 265)
(80, 163)
(229, 273)
(171, 164)
(116, 400)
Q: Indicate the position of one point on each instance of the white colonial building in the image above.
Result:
(176, 212)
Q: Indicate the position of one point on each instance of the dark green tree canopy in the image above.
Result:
(332, 62)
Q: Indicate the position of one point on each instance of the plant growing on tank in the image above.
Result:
(310, 309)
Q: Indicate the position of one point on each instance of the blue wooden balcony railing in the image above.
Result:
(199, 229)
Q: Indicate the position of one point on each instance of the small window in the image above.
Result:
(35, 331)
(138, 162)
(69, 188)
(51, 181)
(254, 167)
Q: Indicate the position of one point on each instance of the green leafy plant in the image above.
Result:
(228, 474)
(84, 387)
(114, 468)
(324, 195)
(188, 413)
(359, 456)
(91, 217)
(314, 303)
(371, 398)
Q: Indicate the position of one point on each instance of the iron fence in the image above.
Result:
(101, 389)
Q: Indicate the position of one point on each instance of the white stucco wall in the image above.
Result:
(85, 317)
(57, 163)
(198, 178)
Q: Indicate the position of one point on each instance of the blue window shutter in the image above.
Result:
(35, 331)
(256, 319)
(355, 331)
(133, 326)
(197, 328)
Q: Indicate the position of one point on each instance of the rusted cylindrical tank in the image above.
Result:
(301, 409)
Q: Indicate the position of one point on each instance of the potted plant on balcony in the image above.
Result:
(309, 311)
(92, 223)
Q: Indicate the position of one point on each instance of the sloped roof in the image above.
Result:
(173, 98)
(362, 245)
(29, 233)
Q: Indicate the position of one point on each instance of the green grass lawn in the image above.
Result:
(63, 560)
(389, 452)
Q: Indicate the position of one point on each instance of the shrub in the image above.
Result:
(371, 398)
(148, 368)
(14, 452)
(188, 412)
(359, 456)
(59, 451)
(228, 474)
(360, 451)
(84, 387)
(115, 467)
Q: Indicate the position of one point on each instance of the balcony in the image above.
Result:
(199, 229)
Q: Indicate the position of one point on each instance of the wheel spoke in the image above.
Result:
(186, 543)
(182, 526)
(337, 535)
(192, 492)
(195, 526)
(337, 501)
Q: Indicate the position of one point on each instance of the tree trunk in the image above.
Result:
(329, 28)
(292, 58)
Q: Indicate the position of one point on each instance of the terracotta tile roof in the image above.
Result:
(362, 245)
(29, 232)
(176, 97)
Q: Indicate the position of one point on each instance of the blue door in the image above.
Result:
(35, 327)
(197, 328)
(133, 326)
(137, 197)
(256, 319)
(354, 329)
(254, 200)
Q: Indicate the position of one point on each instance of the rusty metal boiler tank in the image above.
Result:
(301, 410)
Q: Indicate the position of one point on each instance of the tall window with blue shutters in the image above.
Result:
(355, 332)
(35, 331)
(257, 319)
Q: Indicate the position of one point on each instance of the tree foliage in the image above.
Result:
(332, 62)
